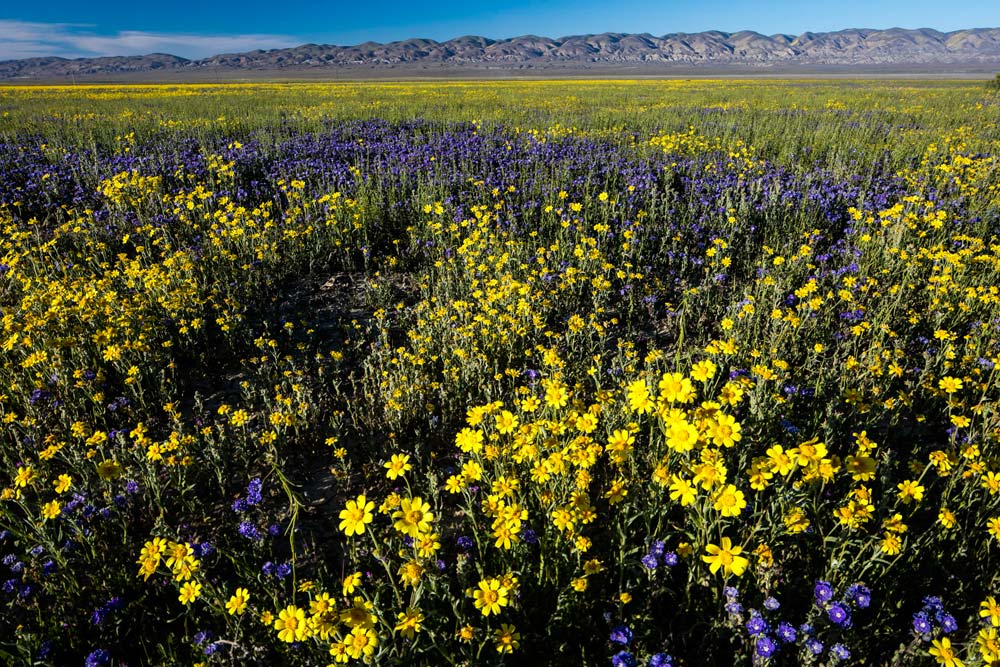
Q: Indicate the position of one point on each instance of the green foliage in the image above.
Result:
(514, 369)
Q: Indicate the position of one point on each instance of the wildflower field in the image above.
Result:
(525, 373)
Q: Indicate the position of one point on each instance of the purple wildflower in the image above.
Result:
(756, 625)
(623, 659)
(786, 632)
(659, 660)
(766, 647)
(838, 614)
(621, 634)
(840, 652)
(823, 592)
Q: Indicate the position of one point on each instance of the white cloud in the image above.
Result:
(25, 39)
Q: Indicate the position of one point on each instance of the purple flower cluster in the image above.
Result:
(622, 636)
(933, 615)
(733, 606)
(102, 612)
(623, 659)
(253, 498)
(280, 571)
(658, 554)
(770, 636)
(248, 528)
(660, 660)
(839, 612)
(97, 658)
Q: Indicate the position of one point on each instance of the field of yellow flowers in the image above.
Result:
(600, 373)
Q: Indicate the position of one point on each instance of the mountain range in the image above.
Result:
(745, 49)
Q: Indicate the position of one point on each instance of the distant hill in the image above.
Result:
(745, 49)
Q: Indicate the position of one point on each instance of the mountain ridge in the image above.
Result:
(745, 48)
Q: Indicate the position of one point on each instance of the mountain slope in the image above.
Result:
(859, 47)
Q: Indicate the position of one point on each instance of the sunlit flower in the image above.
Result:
(356, 515)
(993, 526)
(729, 501)
(51, 509)
(990, 610)
(409, 622)
(682, 491)
(490, 596)
(25, 475)
(237, 604)
(397, 466)
(413, 517)
(950, 385)
(726, 557)
(910, 491)
(291, 624)
(190, 591)
(350, 583)
(943, 652)
(360, 642)
(506, 638)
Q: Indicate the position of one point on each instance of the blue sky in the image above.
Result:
(72, 28)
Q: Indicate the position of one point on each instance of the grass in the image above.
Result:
(563, 372)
